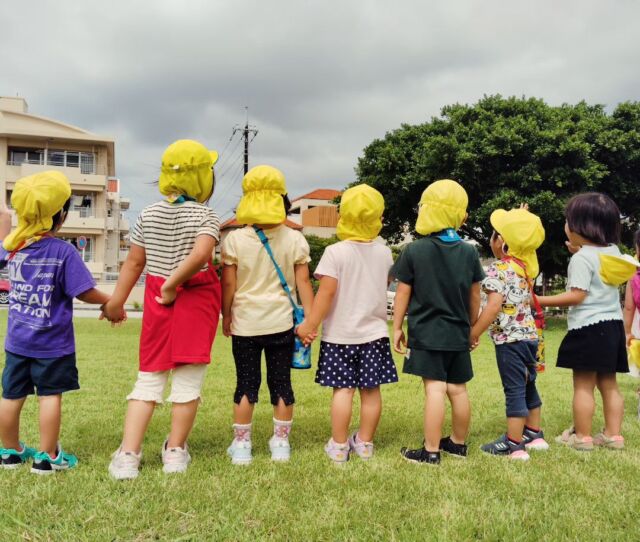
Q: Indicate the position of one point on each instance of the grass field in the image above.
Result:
(558, 495)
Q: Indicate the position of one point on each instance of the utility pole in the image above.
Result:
(246, 130)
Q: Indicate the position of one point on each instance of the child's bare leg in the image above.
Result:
(50, 414)
(534, 419)
(515, 428)
(283, 412)
(612, 402)
(182, 417)
(435, 392)
(243, 411)
(584, 404)
(341, 407)
(138, 416)
(10, 422)
(370, 410)
(460, 412)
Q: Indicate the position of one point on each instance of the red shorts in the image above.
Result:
(182, 332)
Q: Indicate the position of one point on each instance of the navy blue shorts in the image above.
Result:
(517, 368)
(23, 375)
(364, 365)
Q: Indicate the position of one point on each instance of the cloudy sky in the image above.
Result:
(321, 79)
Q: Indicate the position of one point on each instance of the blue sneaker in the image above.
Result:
(12, 459)
(43, 463)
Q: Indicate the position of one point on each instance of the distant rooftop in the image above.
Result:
(322, 194)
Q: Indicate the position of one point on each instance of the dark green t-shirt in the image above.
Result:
(440, 275)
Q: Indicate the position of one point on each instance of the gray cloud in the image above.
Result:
(321, 79)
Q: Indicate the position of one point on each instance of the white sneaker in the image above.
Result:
(280, 448)
(124, 465)
(175, 459)
(240, 452)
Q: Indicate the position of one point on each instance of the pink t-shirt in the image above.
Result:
(359, 311)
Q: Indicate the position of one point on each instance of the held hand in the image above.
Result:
(399, 341)
(226, 326)
(310, 338)
(167, 295)
(630, 338)
(114, 314)
(571, 248)
(474, 341)
(306, 333)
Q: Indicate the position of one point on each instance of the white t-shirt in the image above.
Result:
(359, 311)
(603, 300)
(260, 305)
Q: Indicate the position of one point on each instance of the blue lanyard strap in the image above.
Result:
(448, 235)
(265, 243)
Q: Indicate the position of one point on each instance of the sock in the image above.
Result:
(242, 432)
(512, 440)
(532, 429)
(281, 428)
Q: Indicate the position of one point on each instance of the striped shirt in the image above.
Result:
(167, 232)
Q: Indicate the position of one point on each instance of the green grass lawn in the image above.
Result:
(558, 495)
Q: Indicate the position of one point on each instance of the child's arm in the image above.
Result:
(229, 282)
(321, 305)
(400, 305)
(5, 220)
(573, 297)
(132, 268)
(488, 315)
(474, 303)
(93, 296)
(303, 285)
(200, 254)
(628, 312)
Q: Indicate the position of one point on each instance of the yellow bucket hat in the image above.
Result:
(36, 199)
(262, 203)
(186, 170)
(443, 205)
(523, 232)
(361, 211)
(616, 270)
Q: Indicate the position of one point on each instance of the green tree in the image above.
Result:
(316, 249)
(505, 151)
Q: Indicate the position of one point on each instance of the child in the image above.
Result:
(632, 319)
(46, 274)
(175, 238)
(439, 282)
(509, 285)
(352, 301)
(256, 310)
(594, 348)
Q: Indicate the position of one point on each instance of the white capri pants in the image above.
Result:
(186, 384)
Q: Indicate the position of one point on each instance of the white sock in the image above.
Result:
(282, 428)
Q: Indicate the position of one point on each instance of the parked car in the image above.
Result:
(391, 296)
(4, 291)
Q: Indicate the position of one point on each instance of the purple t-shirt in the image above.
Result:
(45, 277)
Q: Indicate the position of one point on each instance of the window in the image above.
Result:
(73, 159)
(83, 203)
(86, 161)
(55, 158)
(22, 155)
(87, 252)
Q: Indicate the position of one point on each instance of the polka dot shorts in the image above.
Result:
(356, 365)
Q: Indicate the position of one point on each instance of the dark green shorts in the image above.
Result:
(446, 366)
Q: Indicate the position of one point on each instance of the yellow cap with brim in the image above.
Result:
(616, 270)
(361, 209)
(262, 203)
(36, 199)
(187, 170)
(523, 233)
(443, 205)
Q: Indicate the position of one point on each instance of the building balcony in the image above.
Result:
(77, 179)
(83, 224)
(124, 225)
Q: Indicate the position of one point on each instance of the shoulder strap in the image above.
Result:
(283, 281)
(539, 316)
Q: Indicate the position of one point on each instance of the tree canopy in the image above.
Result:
(505, 151)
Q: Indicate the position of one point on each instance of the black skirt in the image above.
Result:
(598, 347)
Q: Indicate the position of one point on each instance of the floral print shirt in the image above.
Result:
(515, 320)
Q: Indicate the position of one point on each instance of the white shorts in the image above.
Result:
(186, 384)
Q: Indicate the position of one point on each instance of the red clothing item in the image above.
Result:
(182, 332)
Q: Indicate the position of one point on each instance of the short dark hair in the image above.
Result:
(636, 240)
(60, 216)
(595, 217)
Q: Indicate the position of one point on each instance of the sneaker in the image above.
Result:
(43, 463)
(615, 442)
(505, 447)
(124, 465)
(569, 438)
(534, 440)
(451, 448)
(363, 449)
(240, 452)
(12, 459)
(420, 456)
(338, 453)
(175, 459)
(280, 448)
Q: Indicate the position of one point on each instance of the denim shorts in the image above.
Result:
(517, 368)
(23, 375)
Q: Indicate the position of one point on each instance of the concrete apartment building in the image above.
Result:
(95, 224)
